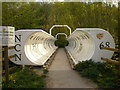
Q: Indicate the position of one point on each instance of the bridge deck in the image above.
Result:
(62, 76)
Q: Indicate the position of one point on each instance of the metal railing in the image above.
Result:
(117, 62)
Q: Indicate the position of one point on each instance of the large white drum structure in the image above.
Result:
(32, 47)
(86, 43)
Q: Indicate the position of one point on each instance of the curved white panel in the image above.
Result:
(85, 43)
(34, 47)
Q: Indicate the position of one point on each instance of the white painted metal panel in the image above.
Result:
(84, 44)
(32, 47)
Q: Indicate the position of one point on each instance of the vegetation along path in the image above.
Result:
(62, 76)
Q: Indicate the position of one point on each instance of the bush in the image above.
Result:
(104, 74)
(91, 72)
(45, 71)
(25, 79)
(61, 43)
(83, 65)
(108, 82)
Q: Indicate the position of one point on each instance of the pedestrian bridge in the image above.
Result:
(35, 46)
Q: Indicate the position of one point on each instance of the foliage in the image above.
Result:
(25, 78)
(43, 15)
(61, 43)
(104, 74)
(45, 71)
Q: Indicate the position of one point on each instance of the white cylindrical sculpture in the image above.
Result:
(86, 43)
(33, 47)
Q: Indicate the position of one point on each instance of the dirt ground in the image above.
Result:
(62, 76)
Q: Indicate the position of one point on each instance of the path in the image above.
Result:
(62, 76)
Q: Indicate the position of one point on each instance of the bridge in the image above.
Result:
(35, 46)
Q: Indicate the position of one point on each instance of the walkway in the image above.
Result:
(62, 76)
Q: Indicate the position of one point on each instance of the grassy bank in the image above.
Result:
(104, 74)
(25, 78)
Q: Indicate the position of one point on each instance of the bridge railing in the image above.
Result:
(117, 62)
(9, 48)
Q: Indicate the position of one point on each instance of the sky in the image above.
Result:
(82, 0)
(115, 2)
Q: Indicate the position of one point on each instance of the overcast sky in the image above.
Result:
(115, 2)
(83, 0)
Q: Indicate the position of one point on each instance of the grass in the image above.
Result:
(25, 78)
(104, 74)
(45, 71)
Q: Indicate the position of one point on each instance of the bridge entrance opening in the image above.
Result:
(61, 41)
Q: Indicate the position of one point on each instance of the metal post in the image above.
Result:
(119, 33)
(6, 64)
(23, 66)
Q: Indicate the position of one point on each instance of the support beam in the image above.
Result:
(110, 61)
(12, 47)
(111, 49)
(6, 64)
(12, 56)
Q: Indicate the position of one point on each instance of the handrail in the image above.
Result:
(111, 61)
(111, 49)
